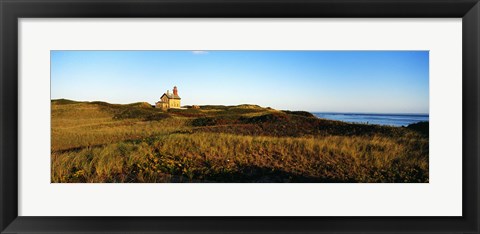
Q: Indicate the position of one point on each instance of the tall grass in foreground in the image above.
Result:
(234, 158)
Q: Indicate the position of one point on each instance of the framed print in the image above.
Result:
(253, 116)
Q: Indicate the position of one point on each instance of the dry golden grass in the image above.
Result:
(84, 125)
(90, 145)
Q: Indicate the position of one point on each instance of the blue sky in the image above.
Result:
(323, 81)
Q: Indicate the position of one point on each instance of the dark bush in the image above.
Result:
(157, 116)
(205, 121)
(420, 127)
(268, 118)
(299, 113)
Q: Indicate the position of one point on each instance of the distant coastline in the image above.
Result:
(396, 120)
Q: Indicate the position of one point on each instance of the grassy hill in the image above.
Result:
(102, 142)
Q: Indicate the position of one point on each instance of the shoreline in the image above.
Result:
(393, 120)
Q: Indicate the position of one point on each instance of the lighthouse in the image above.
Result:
(169, 100)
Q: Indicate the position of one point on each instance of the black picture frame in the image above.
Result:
(11, 11)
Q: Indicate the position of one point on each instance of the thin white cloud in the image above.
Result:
(199, 52)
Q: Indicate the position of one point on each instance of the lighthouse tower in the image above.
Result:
(175, 91)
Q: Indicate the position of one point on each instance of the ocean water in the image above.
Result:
(381, 119)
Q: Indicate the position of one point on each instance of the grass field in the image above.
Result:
(97, 142)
